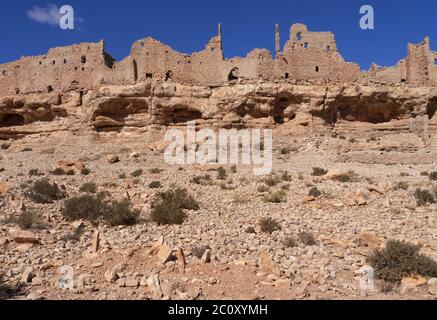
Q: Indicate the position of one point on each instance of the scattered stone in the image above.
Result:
(27, 237)
(28, 275)
(164, 253)
(132, 283)
(113, 159)
(411, 284)
(154, 285)
(96, 241)
(267, 265)
(206, 258)
(4, 187)
(181, 260)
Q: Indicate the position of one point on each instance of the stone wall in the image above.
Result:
(306, 56)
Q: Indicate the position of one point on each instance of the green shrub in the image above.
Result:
(168, 206)
(221, 173)
(399, 260)
(120, 213)
(86, 207)
(43, 192)
(318, 172)
(307, 238)
(433, 175)
(89, 187)
(137, 173)
(424, 196)
(93, 208)
(155, 185)
(274, 197)
(269, 225)
(289, 242)
(401, 185)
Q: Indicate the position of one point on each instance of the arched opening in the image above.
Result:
(233, 75)
(431, 109)
(49, 88)
(181, 115)
(299, 36)
(287, 75)
(317, 69)
(83, 59)
(169, 76)
(279, 110)
(12, 120)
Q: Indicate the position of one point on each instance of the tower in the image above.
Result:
(278, 40)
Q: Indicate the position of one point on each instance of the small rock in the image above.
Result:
(164, 253)
(154, 285)
(206, 258)
(411, 284)
(27, 276)
(21, 236)
(268, 265)
(113, 159)
(181, 260)
(96, 241)
(4, 187)
(132, 283)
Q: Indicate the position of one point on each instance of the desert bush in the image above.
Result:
(401, 185)
(58, 172)
(250, 230)
(156, 171)
(269, 225)
(89, 187)
(274, 197)
(399, 260)
(221, 173)
(27, 219)
(318, 172)
(424, 196)
(285, 151)
(289, 242)
(286, 176)
(168, 206)
(315, 192)
(233, 169)
(93, 208)
(87, 207)
(121, 213)
(263, 188)
(122, 175)
(226, 186)
(85, 171)
(137, 173)
(424, 173)
(5, 146)
(34, 173)
(307, 238)
(155, 185)
(433, 175)
(272, 180)
(43, 192)
(346, 177)
(202, 180)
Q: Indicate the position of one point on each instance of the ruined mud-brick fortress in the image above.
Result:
(306, 56)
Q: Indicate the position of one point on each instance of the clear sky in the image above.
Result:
(186, 25)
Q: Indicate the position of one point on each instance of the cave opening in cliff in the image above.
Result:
(279, 110)
(431, 109)
(183, 115)
(135, 66)
(233, 75)
(169, 76)
(12, 120)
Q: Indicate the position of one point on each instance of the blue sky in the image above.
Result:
(187, 25)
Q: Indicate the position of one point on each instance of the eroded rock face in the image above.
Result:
(337, 107)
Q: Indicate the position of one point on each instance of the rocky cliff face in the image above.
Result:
(267, 104)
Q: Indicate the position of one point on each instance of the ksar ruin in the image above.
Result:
(307, 82)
